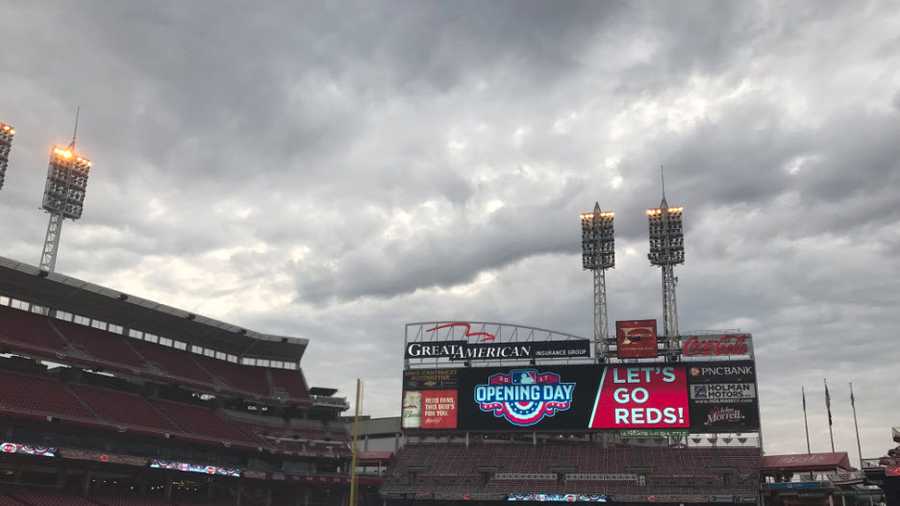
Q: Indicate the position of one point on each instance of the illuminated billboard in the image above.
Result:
(641, 398)
(723, 396)
(40, 451)
(463, 350)
(195, 468)
(702, 397)
(636, 339)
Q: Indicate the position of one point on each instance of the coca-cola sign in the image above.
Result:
(725, 345)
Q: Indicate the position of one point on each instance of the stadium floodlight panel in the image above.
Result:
(598, 240)
(666, 236)
(67, 178)
(7, 132)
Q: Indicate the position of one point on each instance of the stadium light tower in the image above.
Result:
(67, 177)
(7, 132)
(598, 253)
(667, 251)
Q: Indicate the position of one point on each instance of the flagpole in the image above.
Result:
(856, 425)
(828, 408)
(805, 419)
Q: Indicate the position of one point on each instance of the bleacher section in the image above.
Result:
(41, 497)
(454, 472)
(40, 396)
(108, 399)
(42, 337)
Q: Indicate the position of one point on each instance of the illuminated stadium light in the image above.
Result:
(667, 251)
(598, 253)
(7, 133)
(64, 192)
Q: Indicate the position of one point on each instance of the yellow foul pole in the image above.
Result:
(353, 448)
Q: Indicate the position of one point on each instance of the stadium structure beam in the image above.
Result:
(7, 132)
(51, 242)
(64, 191)
(598, 255)
(667, 251)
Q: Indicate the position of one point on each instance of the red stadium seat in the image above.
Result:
(38, 395)
(445, 470)
(291, 382)
(29, 330)
(51, 498)
(106, 347)
(120, 408)
(173, 363)
(204, 422)
(244, 378)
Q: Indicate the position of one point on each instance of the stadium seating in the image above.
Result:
(201, 421)
(92, 347)
(28, 330)
(450, 471)
(40, 395)
(105, 347)
(50, 498)
(29, 394)
(246, 379)
(129, 501)
(291, 382)
(173, 363)
(120, 408)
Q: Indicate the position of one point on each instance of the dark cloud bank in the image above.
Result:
(334, 171)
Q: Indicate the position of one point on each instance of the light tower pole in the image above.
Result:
(7, 132)
(667, 251)
(67, 177)
(598, 253)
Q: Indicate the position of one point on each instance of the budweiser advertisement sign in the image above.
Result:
(724, 345)
(636, 338)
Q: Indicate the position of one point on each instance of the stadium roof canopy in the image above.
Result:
(805, 462)
(59, 292)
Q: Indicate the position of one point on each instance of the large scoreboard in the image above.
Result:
(702, 397)
(706, 392)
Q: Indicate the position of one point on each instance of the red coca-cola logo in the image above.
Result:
(716, 346)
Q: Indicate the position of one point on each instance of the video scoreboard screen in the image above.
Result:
(699, 396)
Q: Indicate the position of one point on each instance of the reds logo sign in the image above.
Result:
(486, 337)
(524, 397)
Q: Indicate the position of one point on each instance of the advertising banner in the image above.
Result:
(722, 372)
(429, 379)
(641, 398)
(463, 350)
(40, 451)
(636, 338)
(556, 497)
(534, 397)
(652, 398)
(106, 458)
(195, 468)
(723, 393)
(725, 345)
(723, 396)
(429, 409)
(724, 417)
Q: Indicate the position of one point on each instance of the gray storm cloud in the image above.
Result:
(332, 171)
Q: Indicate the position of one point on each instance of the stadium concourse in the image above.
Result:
(109, 399)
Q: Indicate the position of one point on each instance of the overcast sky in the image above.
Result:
(332, 170)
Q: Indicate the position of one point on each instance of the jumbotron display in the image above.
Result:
(701, 397)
